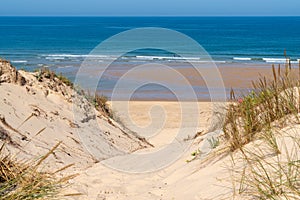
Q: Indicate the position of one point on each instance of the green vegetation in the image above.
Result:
(48, 74)
(99, 101)
(270, 101)
(65, 80)
(263, 177)
(214, 142)
(269, 167)
(24, 180)
(195, 155)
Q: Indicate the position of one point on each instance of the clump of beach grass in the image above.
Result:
(48, 74)
(270, 101)
(97, 100)
(65, 80)
(100, 102)
(262, 173)
(269, 166)
(25, 180)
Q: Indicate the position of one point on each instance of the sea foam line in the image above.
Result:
(65, 56)
(19, 61)
(166, 58)
(275, 60)
(267, 60)
(75, 56)
(239, 58)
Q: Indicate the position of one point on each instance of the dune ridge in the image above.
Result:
(37, 111)
(40, 110)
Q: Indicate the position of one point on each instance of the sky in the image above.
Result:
(150, 8)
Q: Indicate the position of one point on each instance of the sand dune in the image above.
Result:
(37, 113)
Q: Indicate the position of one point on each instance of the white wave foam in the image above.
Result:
(166, 58)
(68, 66)
(75, 56)
(109, 57)
(295, 61)
(19, 61)
(173, 59)
(54, 58)
(267, 60)
(220, 61)
(274, 60)
(145, 57)
(239, 58)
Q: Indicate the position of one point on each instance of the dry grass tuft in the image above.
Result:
(24, 180)
(45, 73)
(270, 100)
(269, 167)
(99, 101)
(262, 173)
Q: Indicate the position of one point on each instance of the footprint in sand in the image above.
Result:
(109, 191)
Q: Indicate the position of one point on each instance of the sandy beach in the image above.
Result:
(147, 150)
(238, 76)
(45, 118)
(149, 100)
(179, 179)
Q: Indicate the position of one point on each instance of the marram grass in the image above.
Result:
(268, 170)
(25, 180)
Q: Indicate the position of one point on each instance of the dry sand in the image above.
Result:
(37, 115)
(179, 180)
(207, 177)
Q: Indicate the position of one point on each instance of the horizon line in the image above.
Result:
(149, 15)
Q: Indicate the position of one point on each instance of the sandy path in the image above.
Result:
(179, 180)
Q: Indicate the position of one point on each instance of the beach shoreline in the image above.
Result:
(238, 77)
(38, 110)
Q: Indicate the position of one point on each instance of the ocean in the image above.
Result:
(62, 43)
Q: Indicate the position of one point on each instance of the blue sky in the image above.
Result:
(150, 7)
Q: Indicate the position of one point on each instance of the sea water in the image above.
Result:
(62, 43)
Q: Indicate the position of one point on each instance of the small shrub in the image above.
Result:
(100, 103)
(195, 154)
(100, 100)
(214, 142)
(48, 74)
(65, 80)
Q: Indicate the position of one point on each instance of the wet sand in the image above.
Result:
(238, 76)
